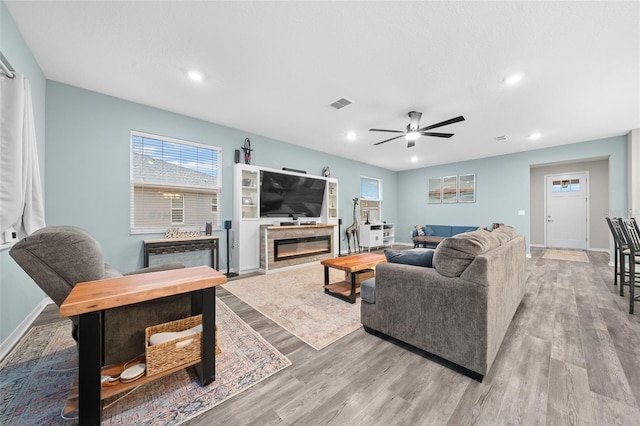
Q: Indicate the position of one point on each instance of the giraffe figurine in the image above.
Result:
(353, 230)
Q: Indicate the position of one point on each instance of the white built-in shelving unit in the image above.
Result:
(246, 214)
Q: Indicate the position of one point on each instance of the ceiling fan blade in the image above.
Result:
(388, 140)
(443, 123)
(438, 135)
(411, 144)
(384, 130)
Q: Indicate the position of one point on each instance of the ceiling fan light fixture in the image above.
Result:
(513, 79)
(414, 131)
(195, 75)
(412, 136)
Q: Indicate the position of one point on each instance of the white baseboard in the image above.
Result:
(589, 249)
(21, 329)
(601, 250)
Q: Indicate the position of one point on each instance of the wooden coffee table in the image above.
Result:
(353, 265)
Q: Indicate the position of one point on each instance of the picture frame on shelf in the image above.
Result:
(450, 189)
(467, 188)
(434, 195)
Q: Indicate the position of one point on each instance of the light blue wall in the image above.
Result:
(87, 173)
(88, 165)
(502, 187)
(18, 294)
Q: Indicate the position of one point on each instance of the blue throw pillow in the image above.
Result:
(410, 257)
(428, 231)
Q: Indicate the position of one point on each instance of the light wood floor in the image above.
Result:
(571, 356)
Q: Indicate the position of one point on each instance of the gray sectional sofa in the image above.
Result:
(460, 308)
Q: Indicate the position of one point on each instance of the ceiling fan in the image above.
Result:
(413, 132)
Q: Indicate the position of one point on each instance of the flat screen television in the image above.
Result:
(290, 195)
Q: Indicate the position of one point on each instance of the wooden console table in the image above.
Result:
(90, 299)
(425, 240)
(182, 245)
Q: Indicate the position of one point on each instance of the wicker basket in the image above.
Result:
(183, 351)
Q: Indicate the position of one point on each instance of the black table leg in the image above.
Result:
(206, 368)
(216, 248)
(352, 296)
(89, 368)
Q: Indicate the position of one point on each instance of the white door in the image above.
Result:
(567, 219)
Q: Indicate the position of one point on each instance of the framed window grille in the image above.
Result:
(173, 183)
(370, 199)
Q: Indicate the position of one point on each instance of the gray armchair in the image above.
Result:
(59, 257)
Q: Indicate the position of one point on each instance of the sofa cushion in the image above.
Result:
(453, 255)
(410, 257)
(419, 230)
(504, 234)
(368, 290)
(441, 230)
(111, 272)
(455, 230)
(428, 231)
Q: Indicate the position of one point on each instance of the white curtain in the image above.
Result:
(21, 203)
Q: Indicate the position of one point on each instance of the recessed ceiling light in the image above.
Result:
(414, 159)
(195, 75)
(534, 136)
(513, 78)
(351, 136)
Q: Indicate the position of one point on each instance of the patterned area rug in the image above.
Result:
(295, 299)
(571, 255)
(35, 378)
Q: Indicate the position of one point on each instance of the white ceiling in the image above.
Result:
(274, 68)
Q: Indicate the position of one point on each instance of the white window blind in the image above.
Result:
(174, 183)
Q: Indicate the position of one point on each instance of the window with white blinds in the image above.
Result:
(370, 199)
(174, 183)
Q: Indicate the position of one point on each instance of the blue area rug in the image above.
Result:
(35, 378)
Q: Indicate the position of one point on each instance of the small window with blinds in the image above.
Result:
(370, 199)
(173, 183)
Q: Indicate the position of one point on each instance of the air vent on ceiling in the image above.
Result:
(502, 138)
(341, 103)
